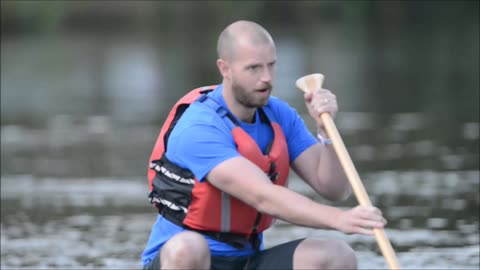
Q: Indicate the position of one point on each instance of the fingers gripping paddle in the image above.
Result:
(314, 82)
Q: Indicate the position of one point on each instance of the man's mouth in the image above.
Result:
(263, 90)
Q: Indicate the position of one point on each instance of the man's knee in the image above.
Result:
(324, 254)
(345, 256)
(186, 250)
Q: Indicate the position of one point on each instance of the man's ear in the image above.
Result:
(224, 68)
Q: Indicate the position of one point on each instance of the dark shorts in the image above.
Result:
(276, 258)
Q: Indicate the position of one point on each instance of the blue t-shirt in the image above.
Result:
(201, 140)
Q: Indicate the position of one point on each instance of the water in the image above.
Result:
(103, 222)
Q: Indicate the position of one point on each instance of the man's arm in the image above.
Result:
(318, 165)
(252, 186)
(321, 169)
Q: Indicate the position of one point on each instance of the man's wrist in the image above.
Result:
(322, 139)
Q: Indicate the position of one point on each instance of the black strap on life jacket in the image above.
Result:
(236, 240)
(171, 189)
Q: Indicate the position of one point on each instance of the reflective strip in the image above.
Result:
(225, 218)
(171, 175)
(173, 206)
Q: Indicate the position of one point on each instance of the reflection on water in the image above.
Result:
(426, 187)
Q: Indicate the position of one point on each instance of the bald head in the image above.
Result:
(241, 32)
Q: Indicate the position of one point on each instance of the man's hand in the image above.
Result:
(321, 101)
(360, 220)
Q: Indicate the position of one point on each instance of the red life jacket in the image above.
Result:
(207, 208)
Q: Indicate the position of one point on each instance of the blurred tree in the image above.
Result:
(31, 17)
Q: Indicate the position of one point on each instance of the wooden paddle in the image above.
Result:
(314, 82)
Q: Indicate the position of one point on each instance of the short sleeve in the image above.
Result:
(201, 147)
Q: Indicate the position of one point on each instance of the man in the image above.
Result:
(238, 143)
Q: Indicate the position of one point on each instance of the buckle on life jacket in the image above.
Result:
(272, 174)
(255, 241)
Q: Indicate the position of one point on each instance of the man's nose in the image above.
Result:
(267, 76)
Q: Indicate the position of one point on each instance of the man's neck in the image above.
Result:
(243, 113)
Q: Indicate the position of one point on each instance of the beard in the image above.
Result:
(249, 98)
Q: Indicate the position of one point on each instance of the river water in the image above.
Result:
(103, 222)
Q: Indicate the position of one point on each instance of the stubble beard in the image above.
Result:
(247, 98)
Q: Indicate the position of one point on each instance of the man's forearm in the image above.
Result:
(295, 208)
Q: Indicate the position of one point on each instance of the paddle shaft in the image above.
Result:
(357, 187)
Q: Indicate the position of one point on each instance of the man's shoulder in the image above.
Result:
(197, 117)
(197, 112)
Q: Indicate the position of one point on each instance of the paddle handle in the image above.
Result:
(311, 83)
(357, 187)
(345, 160)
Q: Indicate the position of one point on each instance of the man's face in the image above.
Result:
(252, 74)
